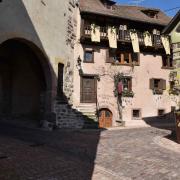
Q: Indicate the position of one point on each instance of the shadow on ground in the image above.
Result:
(27, 153)
(166, 121)
(35, 154)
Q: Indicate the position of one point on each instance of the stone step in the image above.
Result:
(87, 105)
(86, 110)
(134, 123)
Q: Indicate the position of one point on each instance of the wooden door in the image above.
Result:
(105, 118)
(88, 89)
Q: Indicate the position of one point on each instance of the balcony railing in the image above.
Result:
(123, 35)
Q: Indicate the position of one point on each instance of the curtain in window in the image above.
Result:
(166, 44)
(135, 41)
(95, 33)
(112, 36)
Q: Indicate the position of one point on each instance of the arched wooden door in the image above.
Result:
(105, 118)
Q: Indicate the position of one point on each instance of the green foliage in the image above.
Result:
(126, 93)
(174, 92)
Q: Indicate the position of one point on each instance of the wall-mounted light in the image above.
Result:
(79, 67)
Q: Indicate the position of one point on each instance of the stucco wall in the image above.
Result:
(150, 67)
(50, 25)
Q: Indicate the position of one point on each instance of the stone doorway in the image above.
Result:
(23, 85)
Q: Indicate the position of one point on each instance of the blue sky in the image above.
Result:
(161, 4)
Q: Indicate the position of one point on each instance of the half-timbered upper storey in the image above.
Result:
(102, 21)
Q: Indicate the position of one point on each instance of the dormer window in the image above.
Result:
(151, 13)
(108, 4)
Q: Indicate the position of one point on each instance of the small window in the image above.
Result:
(161, 112)
(126, 58)
(158, 85)
(167, 61)
(123, 27)
(88, 56)
(151, 13)
(60, 79)
(136, 114)
(127, 84)
(135, 58)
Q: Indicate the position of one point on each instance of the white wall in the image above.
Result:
(46, 24)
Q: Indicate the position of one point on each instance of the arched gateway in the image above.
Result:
(25, 80)
(105, 118)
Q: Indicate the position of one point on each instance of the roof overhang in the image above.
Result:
(172, 24)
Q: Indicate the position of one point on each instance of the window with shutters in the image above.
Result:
(123, 57)
(157, 85)
(127, 84)
(127, 87)
(167, 62)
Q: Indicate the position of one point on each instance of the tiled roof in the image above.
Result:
(133, 13)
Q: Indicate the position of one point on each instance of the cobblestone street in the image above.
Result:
(29, 154)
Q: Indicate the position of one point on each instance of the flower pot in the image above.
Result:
(177, 121)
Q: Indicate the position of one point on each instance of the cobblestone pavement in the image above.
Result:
(27, 154)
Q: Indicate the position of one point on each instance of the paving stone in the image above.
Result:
(86, 154)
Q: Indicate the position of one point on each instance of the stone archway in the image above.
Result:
(25, 80)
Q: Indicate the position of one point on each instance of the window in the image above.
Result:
(123, 27)
(161, 112)
(151, 13)
(136, 114)
(123, 58)
(127, 83)
(60, 94)
(157, 85)
(88, 56)
(126, 58)
(124, 87)
(108, 4)
(167, 61)
(172, 84)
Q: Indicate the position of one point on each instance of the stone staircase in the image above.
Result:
(83, 116)
(89, 111)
